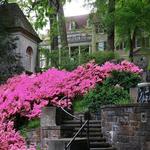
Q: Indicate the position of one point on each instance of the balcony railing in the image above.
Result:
(79, 38)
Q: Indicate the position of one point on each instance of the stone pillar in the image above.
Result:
(134, 94)
(50, 124)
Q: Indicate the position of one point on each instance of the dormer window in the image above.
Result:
(72, 25)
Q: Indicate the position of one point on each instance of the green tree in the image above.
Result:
(111, 25)
(132, 18)
(48, 11)
(105, 12)
(124, 20)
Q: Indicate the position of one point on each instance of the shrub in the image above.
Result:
(64, 61)
(32, 124)
(124, 79)
(102, 95)
(103, 56)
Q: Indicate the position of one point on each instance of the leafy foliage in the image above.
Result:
(32, 124)
(71, 62)
(102, 57)
(103, 94)
(135, 12)
(48, 13)
(123, 79)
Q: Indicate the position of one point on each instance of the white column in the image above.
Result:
(89, 49)
(79, 53)
(59, 56)
(69, 52)
(50, 60)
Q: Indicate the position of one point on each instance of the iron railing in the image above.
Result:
(82, 126)
(78, 132)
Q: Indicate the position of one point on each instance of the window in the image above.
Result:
(29, 53)
(138, 43)
(72, 25)
(101, 46)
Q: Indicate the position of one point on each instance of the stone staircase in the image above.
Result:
(96, 139)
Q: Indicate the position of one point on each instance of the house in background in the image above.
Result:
(84, 37)
(27, 39)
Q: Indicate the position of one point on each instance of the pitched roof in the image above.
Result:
(80, 20)
(15, 20)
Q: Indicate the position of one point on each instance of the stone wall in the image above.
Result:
(127, 127)
(34, 137)
(23, 43)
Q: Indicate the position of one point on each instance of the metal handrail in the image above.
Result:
(80, 130)
(69, 144)
(70, 114)
(73, 117)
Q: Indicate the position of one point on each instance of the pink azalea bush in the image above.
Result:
(26, 95)
(9, 138)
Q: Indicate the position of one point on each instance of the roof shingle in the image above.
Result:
(15, 20)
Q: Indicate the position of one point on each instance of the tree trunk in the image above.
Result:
(110, 41)
(53, 25)
(62, 27)
(53, 32)
(111, 25)
(132, 45)
(143, 44)
(131, 50)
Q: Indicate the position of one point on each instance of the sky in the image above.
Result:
(76, 7)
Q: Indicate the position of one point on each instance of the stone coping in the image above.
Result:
(51, 127)
(66, 139)
(143, 84)
(126, 105)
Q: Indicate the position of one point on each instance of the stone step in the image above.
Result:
(98, 138)
(95, 139)
(91, 129)
(99, 144)
(91, 134)
(78, 125)
(107, 148)
(78, 121)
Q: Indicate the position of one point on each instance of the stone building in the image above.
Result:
(27, 39)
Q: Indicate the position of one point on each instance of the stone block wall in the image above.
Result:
(127, 127)
(34, 137)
